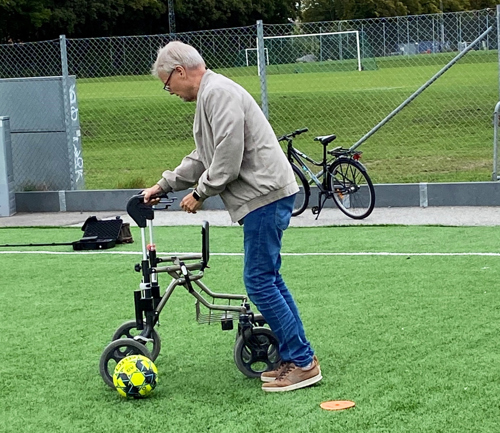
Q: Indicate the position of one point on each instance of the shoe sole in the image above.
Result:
(303, 384)
(267, 379)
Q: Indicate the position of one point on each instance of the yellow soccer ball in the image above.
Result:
(135, 376)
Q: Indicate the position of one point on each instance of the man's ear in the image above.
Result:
(181, 71)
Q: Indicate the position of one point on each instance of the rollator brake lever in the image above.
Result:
(185, 273)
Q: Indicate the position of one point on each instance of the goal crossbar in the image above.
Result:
(356, 32)
(255, 49)
(312, 34)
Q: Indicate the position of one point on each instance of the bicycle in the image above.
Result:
(343, 178)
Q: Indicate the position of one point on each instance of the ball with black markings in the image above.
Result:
(135, 376)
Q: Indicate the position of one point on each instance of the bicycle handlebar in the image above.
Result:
(292, 134)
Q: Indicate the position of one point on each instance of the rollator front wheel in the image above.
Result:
(115, 352)
(257, 352)
(129, 330)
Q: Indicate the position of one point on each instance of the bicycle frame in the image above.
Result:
(337, 179)
(295, 154)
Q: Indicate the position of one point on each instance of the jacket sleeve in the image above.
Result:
(226, 116)
(184, 176)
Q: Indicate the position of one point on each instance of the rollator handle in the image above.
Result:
(140, 212)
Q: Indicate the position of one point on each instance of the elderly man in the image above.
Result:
(238, 157)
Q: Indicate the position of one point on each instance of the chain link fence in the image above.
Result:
(444, 134)
(333, 77)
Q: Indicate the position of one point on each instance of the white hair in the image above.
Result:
(174, 54)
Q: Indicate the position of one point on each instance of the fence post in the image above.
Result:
(261, 64)
(495, 176)
(498, 44)
(71, 120)
(67, 119)
(7, 195)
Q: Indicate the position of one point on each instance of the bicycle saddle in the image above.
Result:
(325, 139)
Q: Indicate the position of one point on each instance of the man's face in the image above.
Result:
(177, 83)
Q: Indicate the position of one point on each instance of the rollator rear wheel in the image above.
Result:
(256, 353)
(115, 352)
(129, 330)
(258, 320)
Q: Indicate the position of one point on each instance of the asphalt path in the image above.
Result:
(446, 216)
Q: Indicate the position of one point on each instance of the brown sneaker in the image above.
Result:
(292, 377)
(269, 376)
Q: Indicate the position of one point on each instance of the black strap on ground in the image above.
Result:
(36, 245)
(85, 243)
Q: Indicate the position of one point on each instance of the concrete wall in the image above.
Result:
(45, 132)
(386, 195)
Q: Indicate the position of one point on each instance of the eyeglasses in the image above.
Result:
(167, 83)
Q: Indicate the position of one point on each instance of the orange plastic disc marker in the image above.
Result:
(337, 404)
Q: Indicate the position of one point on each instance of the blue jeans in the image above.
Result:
(263, 230)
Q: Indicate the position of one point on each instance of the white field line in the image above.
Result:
(137, 253)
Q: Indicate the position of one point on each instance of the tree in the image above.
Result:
(47, 19)
(29, 20)
(84, 18)
(214, 14)
(17, 16)
(330, 10)
(320, 10)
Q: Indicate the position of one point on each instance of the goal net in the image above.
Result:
(345, 50)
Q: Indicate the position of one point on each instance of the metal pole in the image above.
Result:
(498, 44)
(320, 46)
(7, 194)
(67, 108)
(419, 91)
(442, 22)
(359, 52)
(495, 176)
(261, 61)
(383, 35)
(171, 17)
(487, 24)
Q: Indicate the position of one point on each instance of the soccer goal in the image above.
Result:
(252, 57)
(343, 47)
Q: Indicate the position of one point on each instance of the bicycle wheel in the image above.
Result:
(352, 188)
(302, 197)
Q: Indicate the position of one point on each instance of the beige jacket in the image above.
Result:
(237, 154)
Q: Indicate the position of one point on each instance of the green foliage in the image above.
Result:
(194, 14)
(330, 10)
(23, 20)
(20, 18)
(47, 19)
